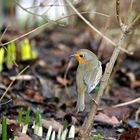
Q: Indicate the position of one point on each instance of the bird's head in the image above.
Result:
(84, 55)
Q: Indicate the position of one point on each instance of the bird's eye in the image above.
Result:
(81, 55)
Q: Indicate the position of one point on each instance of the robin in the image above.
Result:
(88, 75)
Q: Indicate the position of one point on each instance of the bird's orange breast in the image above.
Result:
(80, 59)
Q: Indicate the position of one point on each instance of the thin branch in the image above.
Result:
(130, 7)
(28, 10)
(6, 102)
(127, 103)
(78, 13)
(95, 29)
(41, 27)
(13, 82)
(42, 16)
(118, 11)
(89, 24)
(135, 22)
(5, 30)
(21, 36)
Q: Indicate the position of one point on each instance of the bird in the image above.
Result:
(88, 75)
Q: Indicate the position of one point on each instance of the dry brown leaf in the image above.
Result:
(101, 117)
(131, 134)
(55, 125)
(122, 113)
(22, 137)
(123, 94)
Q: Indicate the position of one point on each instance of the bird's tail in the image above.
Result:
(80, 102)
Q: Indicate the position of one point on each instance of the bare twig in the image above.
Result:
(119, 62)
(3, 33)
(6, 102)
(137, 115)
(13, 82)
(130, 7)
(135, 22)
(52, 22)
(118, 12)
(43, 27)
(95, 29)
(25, 9)
(21, 36)
(128, 103)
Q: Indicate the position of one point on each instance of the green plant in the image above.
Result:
(38, 130)
(25, 126)
(20, 116)
(11, 54)
(4, 129)
(1, 58)
(26, 50)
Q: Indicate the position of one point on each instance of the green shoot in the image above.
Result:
(1, 58)
(4, 129)
(27, 116)
(11, 54)
(65, 125)
(38, 118)
(131, 16)
(38, 130)
(25, 127)
(91, 138)
(99, 136)
(20, 116)
(25, 50)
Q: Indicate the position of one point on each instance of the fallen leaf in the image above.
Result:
(131, 134)
(123, 94)
(60, 114)
(101, 117)
(9, 121)
(12, 126)
(22, 136)
(122, 113)
(55, 125)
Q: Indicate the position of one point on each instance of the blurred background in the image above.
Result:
(43, 34)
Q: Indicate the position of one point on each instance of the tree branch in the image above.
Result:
(95, 29)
